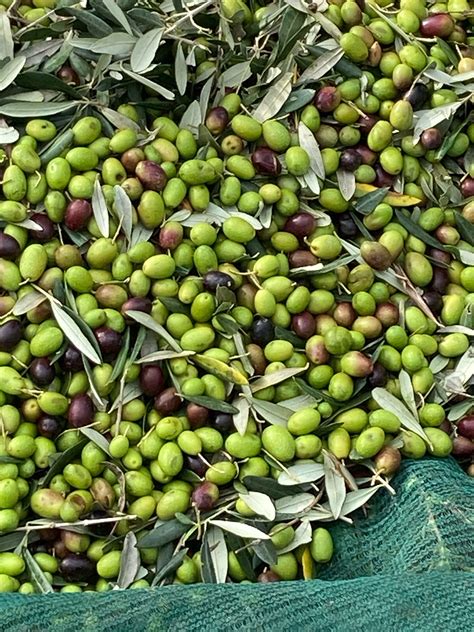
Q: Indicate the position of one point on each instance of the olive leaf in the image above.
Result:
(162, 534)
(302, 472)
(129, 561)
(99, 208)
(117, 44)
(97, 399)
(214, 557)
(241, 350)
(147, 321)
(37, 576)
(389, 402)
(12, 540)
(96, 438)
(122, 358)
(17, 109)
(10, 71)
(346, 183)
(8, 134)
(320, 66)
(265, 550)
(235, 75)
(117, 14)
(294, 504)
(131, 391)
(191, 120)
(260, 503)
(241, 529)
(334, 484)
(430, 118)
(6, 40)
(212, 403)
(169, 567)
(310, 144)
(158, 356)
(73, 333)
(275, 378)
(368, 202)
(118, 120)
(273, 413)
(27, 302)
(294, 26)
(406, 390)
(155, 87)
(357, 498)
(274, 99)
(205, 96)
(180, 69)
(303, 535)
(123, 208)
(241, 418)
(438, 363)
(61, 460)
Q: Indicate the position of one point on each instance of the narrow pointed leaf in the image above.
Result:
(73, 333)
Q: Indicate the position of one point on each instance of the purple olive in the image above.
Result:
(137, 304)
(434, 300)
(78, 213)
(48, 426)
(81, 411)
(68, 75)
(431, 138)
(438, 25)
(327, 99)
(387, 313)
(301, 258)
(151, 175)
(10, 335)
(71, 360)
(168, 401)
(9, 247)
(152, 380)
(262, 331)
(41, 371)
(467, 187)
(197, 415)
(214, 279)
(367, 156)
(466, 427)
(383, 178)
(417, 95)
(440, 256)
(75, 567)
(170, 236)
(378, 376)
(300, 225)
(366, 123)
(205, 496)
(344, 314)
(440, 280)
(266, 161)
(47, 230)
(463, 447)
(350, 160)
(195, 464)
(223, 422)
(217, 120)
(110, 342)
(303, 324)
(268, 577)
(347, 227)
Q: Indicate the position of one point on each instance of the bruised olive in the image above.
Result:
(171, 235)
(388, 460)
(223, 422)
(152, 380)
(110, 342)
(350, 160)
(10, 335)
(217, 120)
(262, 331)
(41, 371)
(78, 213)
(151, 175)
(205, 496)
(417, 95)
(268, 576)
(440, 256)
(301, 258)
(197, 415)
(431, 138)
(77, 568)
(378, 376)
(48, 426)
(131, 158)
(301, 225)
(366, 123)
(9, 247)
(266, 161)
(387, 314)
(214, 279)
(195, 464)
(81, 411)
(168, 401)
(46, 230)
(434, 300)
(303, 324)
(71, 360)
(344, 314)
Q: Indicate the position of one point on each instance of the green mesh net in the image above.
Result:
(404, 567)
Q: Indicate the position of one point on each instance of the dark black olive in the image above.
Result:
(152, 380)
(417, 95)
(223, 422)
(41, 371)
(378, 376)
(347, 226)
(71, 360)
(110, 342)
(81, 411)
(212, 280)
(10, 335)
(77, 568)
(262, 331)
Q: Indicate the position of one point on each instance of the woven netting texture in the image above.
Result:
(404, 560)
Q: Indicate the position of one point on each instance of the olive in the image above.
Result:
(195, 464)
(378, 376)
(10, 335)
(327, 99)
(81, 411)
(197, 415)
(48, 426)
(366, 123)
(71, 360)
(467, 187)
(266, 161)
(41, 371)
(268, 576)
(463, 447)
(167, 402)
(170, 236)
(151, 175)
(101, 529)
(301, 225)
(440, 256)
(347, 228)
(47, 230)
(48, 535)
(205, 496)
(417, 95)
(223, 422)
(137, 304)
(367, 156)
(301, 258)
(262, 331)
(75, 567)
(9, 247)
(78, 213)
(110, 342)
(217, 120)
(350, 160)
(131, 158)
(466, 427)
(303, 324)
(387, 313)
(68, 75)
(214, 279)
(383, 178)
(152, 380)
(431, 138)
(440, 280)
(344, 314)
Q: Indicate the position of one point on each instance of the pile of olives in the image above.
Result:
(186, 324)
